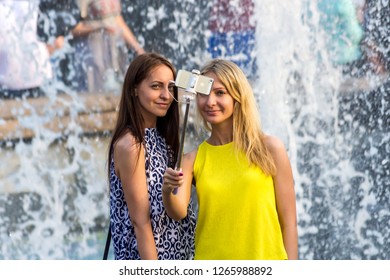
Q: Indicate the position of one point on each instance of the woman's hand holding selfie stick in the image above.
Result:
(192, 83)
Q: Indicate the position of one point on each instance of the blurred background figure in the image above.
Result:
(24, 60)
(375, 16)
(100, 41)
(58, 18)
(232, 27)
(343, 31)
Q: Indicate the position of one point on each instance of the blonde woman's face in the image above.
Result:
(216, 108)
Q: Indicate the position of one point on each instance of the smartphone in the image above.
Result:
(194, 82)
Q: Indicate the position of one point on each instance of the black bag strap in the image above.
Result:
(107, 248)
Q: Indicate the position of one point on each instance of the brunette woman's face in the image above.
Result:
(155, 94)
(217, 107)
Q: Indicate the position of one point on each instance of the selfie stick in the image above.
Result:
(178, 163)
(188, 95)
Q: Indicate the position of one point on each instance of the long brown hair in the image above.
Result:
(247, 134)
(129, 115)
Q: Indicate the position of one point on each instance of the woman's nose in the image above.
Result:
(165, 93)
(210, 99)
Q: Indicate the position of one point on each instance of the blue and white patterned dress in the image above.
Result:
(174, 239)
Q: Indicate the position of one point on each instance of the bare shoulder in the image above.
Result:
(188, 162)
(274, 144)
(126, 145)
(190, 156)
(126, 153)
(189, 159)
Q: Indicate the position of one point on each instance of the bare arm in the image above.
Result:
(285, 196)
(176, 205)
(128, 35)
(83, 29)
(58, 43)
(131, 171)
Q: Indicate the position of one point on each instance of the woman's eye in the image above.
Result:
(219, 92)
(155, 86)
(171, 88)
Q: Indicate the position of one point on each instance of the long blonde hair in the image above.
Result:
(247, 134)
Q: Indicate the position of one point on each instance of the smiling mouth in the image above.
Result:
(212, 112)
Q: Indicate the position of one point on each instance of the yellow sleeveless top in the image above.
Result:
(237, 217)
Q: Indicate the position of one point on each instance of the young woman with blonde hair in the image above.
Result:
(243, 177)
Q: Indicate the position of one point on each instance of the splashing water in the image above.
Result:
(342, 186)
